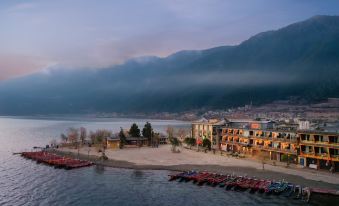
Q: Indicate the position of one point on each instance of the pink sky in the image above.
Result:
(37, 34)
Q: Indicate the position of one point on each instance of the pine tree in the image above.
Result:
(147, 131)
(134, 131)
(122, 138)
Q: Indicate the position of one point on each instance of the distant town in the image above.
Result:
(323, 116)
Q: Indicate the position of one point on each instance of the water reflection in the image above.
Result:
(99, 169)
(137, 174)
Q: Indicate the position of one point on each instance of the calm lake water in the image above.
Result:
(23, 182)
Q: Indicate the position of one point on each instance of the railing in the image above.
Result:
(244, 144)
(335, 157)
(279, 150)
(289, 151)
(333, 144)
(322, 154)
(307, 142)
(326, 144)
(313, 155)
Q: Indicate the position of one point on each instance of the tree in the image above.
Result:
(98, 138)
(134, 131)
(122, 138)
(190, 141)
(173, 140)
(182, 133)
(53, 143)
(206, 143)
(175, 143)
(101, 135)
(63, 138)
(73, 136)
(83, 134)
(262, 157)
(147, 132)
(156, 139)
(92, 137)
(170, 132)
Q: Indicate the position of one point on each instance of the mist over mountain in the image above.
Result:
(300, 60)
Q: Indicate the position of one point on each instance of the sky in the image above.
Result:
(38, 34)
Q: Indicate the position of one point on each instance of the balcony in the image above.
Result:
(244, 143)
(262, 137)
(307, 141)
(335, 157)
(313, 155)
(324, 144)
(322, 155)
(334, 144)
(291, 151)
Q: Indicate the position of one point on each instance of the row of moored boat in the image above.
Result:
(243, 183)
(56, 160)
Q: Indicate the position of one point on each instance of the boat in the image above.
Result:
(247, 184)
(200, 176)
(202, 180)
(229, 185)
(280, 187)
(210, 180)
(56, 161)
(289, 191)
(187, 176)
(219, 180)
(237, 183)
(176, 176)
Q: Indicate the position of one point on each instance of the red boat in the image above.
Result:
(234, 182)
(204, 178)
(221, 179)
(56, 160)
(210, 180)
(246, 184)
(200, 176)
(264, 186)
(254, 187)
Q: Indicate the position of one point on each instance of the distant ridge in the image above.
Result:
(299, 60)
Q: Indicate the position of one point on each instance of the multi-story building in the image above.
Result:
(204, 128)
(268, 140)
(271, 144)
(319, 149)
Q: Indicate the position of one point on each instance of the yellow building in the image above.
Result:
(314, 149)
(319, 150)
(275, 145)
(112, 143)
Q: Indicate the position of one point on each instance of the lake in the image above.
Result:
(24, 182)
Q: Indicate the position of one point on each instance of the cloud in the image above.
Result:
(13, 65)
(223, 79)
(20, 7)
(87, 34)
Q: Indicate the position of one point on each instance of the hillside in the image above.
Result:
(300, 60)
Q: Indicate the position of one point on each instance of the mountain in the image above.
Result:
(300, 60)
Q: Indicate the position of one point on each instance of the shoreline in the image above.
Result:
(217, 168)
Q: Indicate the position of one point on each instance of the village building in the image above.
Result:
(136, 141)
(281, 142)
(272, 144)
(112, 143)
(319, 150)
(210, 129)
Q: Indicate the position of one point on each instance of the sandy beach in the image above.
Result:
(162, 158)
